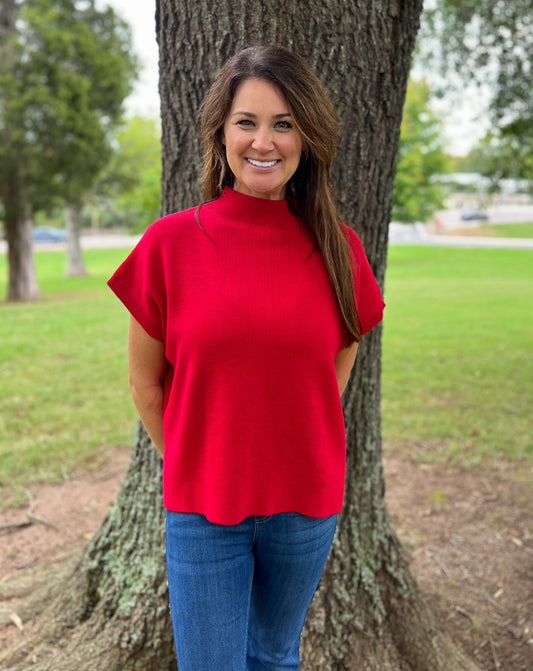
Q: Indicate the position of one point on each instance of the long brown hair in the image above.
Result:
(310, 186)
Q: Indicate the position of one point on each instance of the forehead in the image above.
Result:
(260, 94)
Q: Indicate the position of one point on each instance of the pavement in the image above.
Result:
(420, 234)
(102, 241)
(439, 233)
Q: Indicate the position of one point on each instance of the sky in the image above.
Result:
(462, 128)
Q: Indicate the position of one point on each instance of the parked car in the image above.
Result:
(475, 215)
(48, 234)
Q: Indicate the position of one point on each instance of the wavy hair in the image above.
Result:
(309, 191)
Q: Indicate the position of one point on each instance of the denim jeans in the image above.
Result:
(239, 594)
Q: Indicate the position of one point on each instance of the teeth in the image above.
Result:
(262, 164)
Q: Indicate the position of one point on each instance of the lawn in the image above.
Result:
(457, 364)
(508, 230)
(497, 230)
(64, 400)
(457, 354)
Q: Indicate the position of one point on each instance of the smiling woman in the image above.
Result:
(263, 147)
(261, 291)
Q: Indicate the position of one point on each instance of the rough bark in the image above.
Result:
(368, 613)
(75, 263)
(7, 17)
(18, 215)
(107, 609)
(22, 282)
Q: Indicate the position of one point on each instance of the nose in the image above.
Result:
(262, 141)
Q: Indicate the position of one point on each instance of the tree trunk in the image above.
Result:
(22, 283)
(7, 18)
(75, 263)
(107, 609)
(368, 614)
(18, 215)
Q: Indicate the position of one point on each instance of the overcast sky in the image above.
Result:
(462, 128)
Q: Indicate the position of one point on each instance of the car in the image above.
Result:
(475, 215)
(49, 234)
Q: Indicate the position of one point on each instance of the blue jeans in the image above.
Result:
(239, 594)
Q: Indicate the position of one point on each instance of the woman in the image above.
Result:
(246, 313)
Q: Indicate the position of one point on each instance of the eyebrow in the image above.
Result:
(253, 116)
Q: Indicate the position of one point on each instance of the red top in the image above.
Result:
(241, 299)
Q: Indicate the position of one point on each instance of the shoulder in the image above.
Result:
(173, 224)
(171, 232)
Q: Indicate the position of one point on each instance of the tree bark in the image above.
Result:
(7, 18)
(22, 283)
(107, 609)
(368, 613)
(75, 263)
(18, 215)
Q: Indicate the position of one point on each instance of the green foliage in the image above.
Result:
(67, 68)
(421, 158)
(502, 155)
(489, 42)
(128, 193)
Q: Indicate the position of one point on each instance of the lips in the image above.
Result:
(262, 164)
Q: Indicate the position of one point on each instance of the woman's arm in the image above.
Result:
(147, 368)
(344, 361)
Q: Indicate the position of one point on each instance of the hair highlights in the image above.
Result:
(310, 187)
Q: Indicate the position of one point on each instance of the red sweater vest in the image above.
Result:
(242, 301)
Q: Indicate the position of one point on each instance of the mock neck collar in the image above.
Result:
(239, 205)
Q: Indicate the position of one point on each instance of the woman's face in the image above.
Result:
(263, 147)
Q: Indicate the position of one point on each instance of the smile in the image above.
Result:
(262, 164)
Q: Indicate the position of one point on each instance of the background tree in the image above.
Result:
(67, 68)
(110, 612)
(421, 158)
(489, 42)
(500, 156)
(128, 191)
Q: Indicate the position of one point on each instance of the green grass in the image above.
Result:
(64, 399)
(457, 362)
(508, 230)
(457, 354)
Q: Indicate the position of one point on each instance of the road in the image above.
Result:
(449, 220)
(102, 241)
(410, 234)
(420, 234)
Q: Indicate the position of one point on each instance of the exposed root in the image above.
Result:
(31, 518)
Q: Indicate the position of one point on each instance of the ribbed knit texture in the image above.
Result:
(241, 299)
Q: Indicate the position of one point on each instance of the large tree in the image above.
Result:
(66, 69)
(110, 611)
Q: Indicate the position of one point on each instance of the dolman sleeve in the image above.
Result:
(139, 282)
(368, 296)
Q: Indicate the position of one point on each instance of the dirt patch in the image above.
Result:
(59, 518)
(469, 536)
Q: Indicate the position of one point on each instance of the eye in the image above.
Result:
(245, 123)
(284, 125)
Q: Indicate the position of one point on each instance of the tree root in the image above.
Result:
(31, 518)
